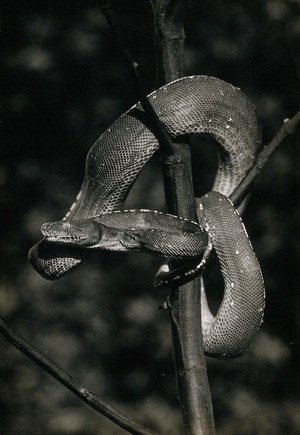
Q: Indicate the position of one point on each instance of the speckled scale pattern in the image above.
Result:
(155, 232)
(48, 261)
(195, 104)
(241, 312)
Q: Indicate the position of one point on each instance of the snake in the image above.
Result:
(187, 106)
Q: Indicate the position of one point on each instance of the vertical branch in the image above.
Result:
(170, 36)
(184, 302)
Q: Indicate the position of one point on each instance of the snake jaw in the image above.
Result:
(65, 239)
(74, 233)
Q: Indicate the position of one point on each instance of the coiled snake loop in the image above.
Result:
(191, 105)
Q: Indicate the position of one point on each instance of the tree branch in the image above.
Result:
(287, 128)
(72, 384)
(169, 31)
(184, 302)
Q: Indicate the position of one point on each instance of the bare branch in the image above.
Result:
(184, 302)
(169, 29)
(287, 128)
(72, 384)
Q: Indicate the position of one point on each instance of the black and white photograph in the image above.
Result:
(149, 195)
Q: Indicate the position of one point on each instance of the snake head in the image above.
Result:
(80, 233)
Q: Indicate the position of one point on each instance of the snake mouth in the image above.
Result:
(65, 239)
(61, 233)
(75, 234)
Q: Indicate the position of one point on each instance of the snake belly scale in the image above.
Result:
(191, 105)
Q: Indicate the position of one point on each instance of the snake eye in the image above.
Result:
(66, 225)
(45, 228)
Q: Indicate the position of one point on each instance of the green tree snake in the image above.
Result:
(191, 105)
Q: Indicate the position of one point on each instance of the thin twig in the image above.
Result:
(156, 126)
(72, 384)
(287, 128)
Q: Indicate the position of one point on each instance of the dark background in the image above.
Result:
(65, 83)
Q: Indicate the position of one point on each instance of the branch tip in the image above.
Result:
(287, 128)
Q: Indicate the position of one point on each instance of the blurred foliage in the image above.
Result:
(64, 83)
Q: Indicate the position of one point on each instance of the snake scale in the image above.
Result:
(191, 105)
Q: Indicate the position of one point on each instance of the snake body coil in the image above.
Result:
(192, 105)
(144, 231)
